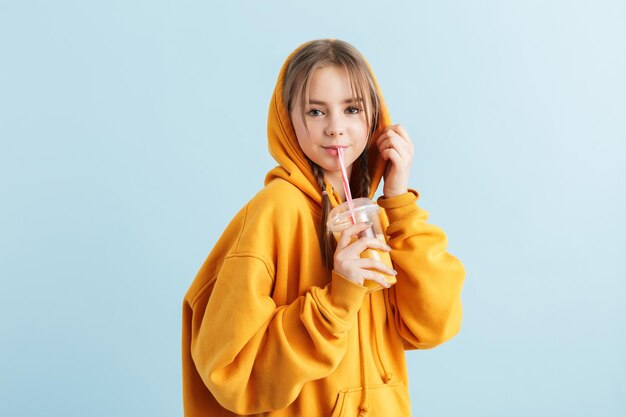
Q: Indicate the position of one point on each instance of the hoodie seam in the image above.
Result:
(266, 264)
(328, 310)
(399, 221)
(201, 291)
(243, 226)
(237, 254)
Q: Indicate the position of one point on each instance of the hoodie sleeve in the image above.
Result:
(243, 343)
(426, 300)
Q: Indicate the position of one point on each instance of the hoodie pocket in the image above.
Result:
(383, 401)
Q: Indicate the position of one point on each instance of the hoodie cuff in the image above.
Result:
(341, 300)
(400, 206)
(346, 296)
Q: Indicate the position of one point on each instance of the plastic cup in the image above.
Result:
(365, 210)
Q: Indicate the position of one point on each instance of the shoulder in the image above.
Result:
(275, 213)
(279, 197)
(273, 221)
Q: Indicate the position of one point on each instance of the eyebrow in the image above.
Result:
(346, 101)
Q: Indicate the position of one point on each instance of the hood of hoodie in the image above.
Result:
(293, 165)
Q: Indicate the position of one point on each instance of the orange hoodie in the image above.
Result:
(269, 330)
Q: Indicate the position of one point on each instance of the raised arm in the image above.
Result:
(426, 300)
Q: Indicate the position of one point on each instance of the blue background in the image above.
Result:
(132, 131)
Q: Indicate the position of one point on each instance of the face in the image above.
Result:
(334, 120)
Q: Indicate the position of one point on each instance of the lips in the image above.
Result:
(332, 150)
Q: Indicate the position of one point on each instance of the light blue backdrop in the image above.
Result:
(132, 131)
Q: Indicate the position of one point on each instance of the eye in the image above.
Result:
(353, 110)
(314, 112)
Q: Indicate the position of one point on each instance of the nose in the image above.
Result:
(334, 131)
(334, 127)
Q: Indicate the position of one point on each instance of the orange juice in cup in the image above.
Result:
(364, 210)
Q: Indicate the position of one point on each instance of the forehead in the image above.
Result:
(330, 83)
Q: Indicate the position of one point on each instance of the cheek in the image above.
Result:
(300, 134)
(299, 128)
(315, 133)
(360, 132)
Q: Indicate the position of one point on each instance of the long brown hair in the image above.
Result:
(311, 57)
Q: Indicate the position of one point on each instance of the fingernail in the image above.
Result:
(395, 272)
(388, 247)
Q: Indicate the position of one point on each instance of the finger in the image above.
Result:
(376, 277)
(387, 143)
(392, 155)
(387, 133)
(382, 146)
(395, 157)
(395, 141)
(401, 131)
(401, 145)
(346, 234)
(368, 243)
(375, 264)
(382, 136)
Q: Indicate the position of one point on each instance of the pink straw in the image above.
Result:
(346, 184)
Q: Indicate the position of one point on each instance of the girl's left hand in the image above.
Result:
(395, 147)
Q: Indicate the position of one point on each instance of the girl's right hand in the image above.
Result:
(348, 261)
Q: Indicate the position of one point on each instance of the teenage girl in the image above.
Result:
(278, 321)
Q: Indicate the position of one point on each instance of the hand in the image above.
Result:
(348, 261)
(395, 146)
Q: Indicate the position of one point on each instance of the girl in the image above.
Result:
(277, 321)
